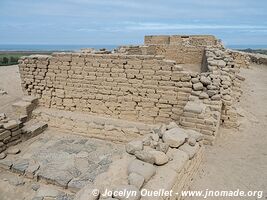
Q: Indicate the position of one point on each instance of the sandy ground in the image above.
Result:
(9, 82)
(238, 160)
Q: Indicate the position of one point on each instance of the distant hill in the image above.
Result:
(261, 51)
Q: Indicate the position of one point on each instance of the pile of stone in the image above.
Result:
(157, 150)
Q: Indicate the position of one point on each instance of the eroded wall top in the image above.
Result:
(183, 40)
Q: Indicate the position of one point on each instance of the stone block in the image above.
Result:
(194, 107)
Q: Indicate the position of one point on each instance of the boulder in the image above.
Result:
(162, 147)
(144, 169)
(192, 141)
(194, 134)
(134, 146)
(13, 150)
(145, 156)
(160, 157)
(11, 124)
(198, 86)
(203, 95)
(175, 137)
(136, 179)
(190, 150)
(216, 97)
(171, 125)
(205, 80)
(194, 107)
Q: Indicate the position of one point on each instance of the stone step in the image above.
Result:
(33, 129)
(25, 107)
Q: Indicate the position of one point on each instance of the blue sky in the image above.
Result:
(126, 22)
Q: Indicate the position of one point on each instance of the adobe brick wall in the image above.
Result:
(183, 49)
(137, 88)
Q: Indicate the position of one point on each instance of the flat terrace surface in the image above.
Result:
(69, 161)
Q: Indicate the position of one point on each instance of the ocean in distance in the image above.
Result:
(48, 47)
(42, 47)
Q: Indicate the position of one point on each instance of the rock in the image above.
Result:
(205, 80)
(155, 137)
(212, 92)
(126, 190)
(203, 95)
(59, 177)
(46, 191)
(198, 86)
(160, 157)
(144, 169)
(178, 159)
(178, 68)
(13, 150)
(147, 140)
(17, 132)
(136, 179)
(194, 107)
(11, 124)
(20, 165)
(190, 150)
(194, 134)
(162, 147)
(227, 97)
(158, 131)
(5, 134)
(2, 155)
(241, 78)
(35, 186)
(163, 128)
(195, 80)
(175, 137)
(2, 92)
(192, 141)
(145, 156)
(2, 116)
(216, 97)
(77, 183)
(171, 125)
(221, 63)
(134, 146)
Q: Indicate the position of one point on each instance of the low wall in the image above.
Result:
(259, 59)
(138, 88)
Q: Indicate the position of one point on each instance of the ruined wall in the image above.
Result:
(240, 58)
(182, 49)
(137, 88)
(183, 40)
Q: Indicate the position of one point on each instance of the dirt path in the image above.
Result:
(238, 160)
(9, 82)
